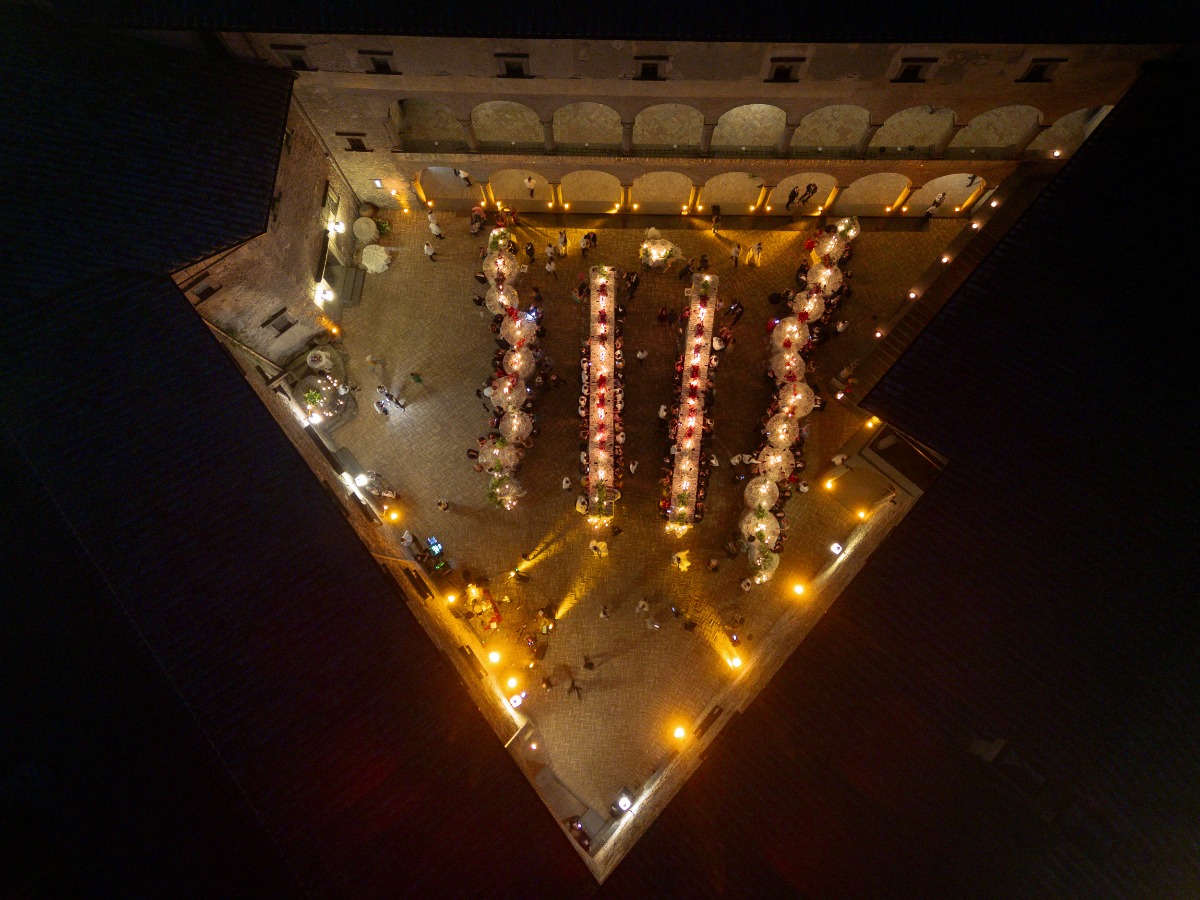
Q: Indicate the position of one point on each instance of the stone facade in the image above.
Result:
(393, 107)
(279, 270)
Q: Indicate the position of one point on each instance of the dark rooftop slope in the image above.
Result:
(865, 21)
(116, 146)
(1043, 591)
(332, 714)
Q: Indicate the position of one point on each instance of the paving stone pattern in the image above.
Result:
(418, 318)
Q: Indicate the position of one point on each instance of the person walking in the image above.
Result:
(703, 266)
(756, 251)
(686, 272)
(381, 408)
(576, 690)
(809, 191)
(716, 218)
(587, 662)
(431, 217)
(631, 283)
(933, 207)
(436, 230)
(583, 245)
(562, 244)
(604, 612)
(530, 253)
(430, 252)
(552, 268)
(530, 184)
(792, 195)
(641, 355)
(443, 505)
(735, 253)
(463, 177)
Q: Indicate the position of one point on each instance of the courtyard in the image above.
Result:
(647, 681)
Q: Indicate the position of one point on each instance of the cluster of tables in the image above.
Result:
(698, 336)
(509, 391)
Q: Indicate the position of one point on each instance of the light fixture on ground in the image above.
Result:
(624, 802)
(680, 732)
(512, 683)
(994, 204)
(798, 589)
(450, 598)
(835, 548)
(378, 183)
(735, 663)
(494, 657)
(1057, 154)
(912, 295)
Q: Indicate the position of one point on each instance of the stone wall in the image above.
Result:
(278, 270)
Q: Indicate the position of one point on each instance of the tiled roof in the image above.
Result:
(124, 153)
(1042, 591)
(347, 731)
(1026, 21)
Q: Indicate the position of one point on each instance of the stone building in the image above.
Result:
(670, 127)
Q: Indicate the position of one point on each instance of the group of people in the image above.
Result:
(616, 393)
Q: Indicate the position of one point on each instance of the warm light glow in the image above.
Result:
(829, 485)
(994, 204)
(861, 514)
(753, 208)
(699, 209)
(566, 206)
(958, 209)
(333, 329)
(887, 209)
(679, 732)
(736, 662)
(878, 334)
(819, 208)
(1057, 154)
(549, 204)
(393, 515)
(429, 203)
(975, 225)
(533, 746)
(945, 259)
(912, 295)
(512, 682)
(768, 209)
(361, 480)
(378, 183)
(904, 209)
(635, 206)
(494, 657)
(393, 192)
(798, 589)
(835, 548)
(450, 598)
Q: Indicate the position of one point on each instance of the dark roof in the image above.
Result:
(1042, 591)
(116, 144)
(347, 731)
(1025, 21)
(1036, 592)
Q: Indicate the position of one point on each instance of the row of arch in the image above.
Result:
(665, 192)
(757, 127)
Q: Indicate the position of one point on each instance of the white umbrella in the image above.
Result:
(519, 362)
(375, 259)
(796, 397)
(828, 278)
(516, 330)
(516, 425)
(782, 430)
(764, 528)
(776, 464)
(500, 299)
(811, 304)
(365, 230)
(760, 491)
(508, 391)
(789, 334)
(787, 366)
(831, 245)
(502, 263)
(762, 561)
(505, 456)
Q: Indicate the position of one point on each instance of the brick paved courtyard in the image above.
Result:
(418, 317)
